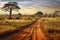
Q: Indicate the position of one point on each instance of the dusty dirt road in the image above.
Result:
(33, 32)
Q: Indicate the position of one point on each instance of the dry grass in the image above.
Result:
(51, 27)
(10, 25)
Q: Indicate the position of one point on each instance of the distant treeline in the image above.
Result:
(41, 14)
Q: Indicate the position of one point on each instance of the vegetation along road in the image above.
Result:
(33, 32)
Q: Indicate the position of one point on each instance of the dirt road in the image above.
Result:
(33, 32)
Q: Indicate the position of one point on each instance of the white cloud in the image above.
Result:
(25, 2)
(2, 3)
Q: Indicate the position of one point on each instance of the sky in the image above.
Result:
(32, 6)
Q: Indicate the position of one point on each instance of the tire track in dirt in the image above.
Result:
(12, 37)
(27, 37)
(28, 34)
(34, 35)
(40, 35)
(20, 35)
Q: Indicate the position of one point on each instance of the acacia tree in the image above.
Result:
(10, 6)
(55, 14)
(39, 13)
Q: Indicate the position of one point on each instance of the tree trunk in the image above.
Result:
(10, 14)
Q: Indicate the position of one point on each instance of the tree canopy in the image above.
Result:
(39, 13)
(10, 6)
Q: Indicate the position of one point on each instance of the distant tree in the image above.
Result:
(39, 13)
(19, 14)
(50, 15)
(55, 14)
(46, 15)
(56, 11)
(10, 6)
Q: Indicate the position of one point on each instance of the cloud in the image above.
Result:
(2, 3)
(48, 3)
(37, 3)
(16, 0)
